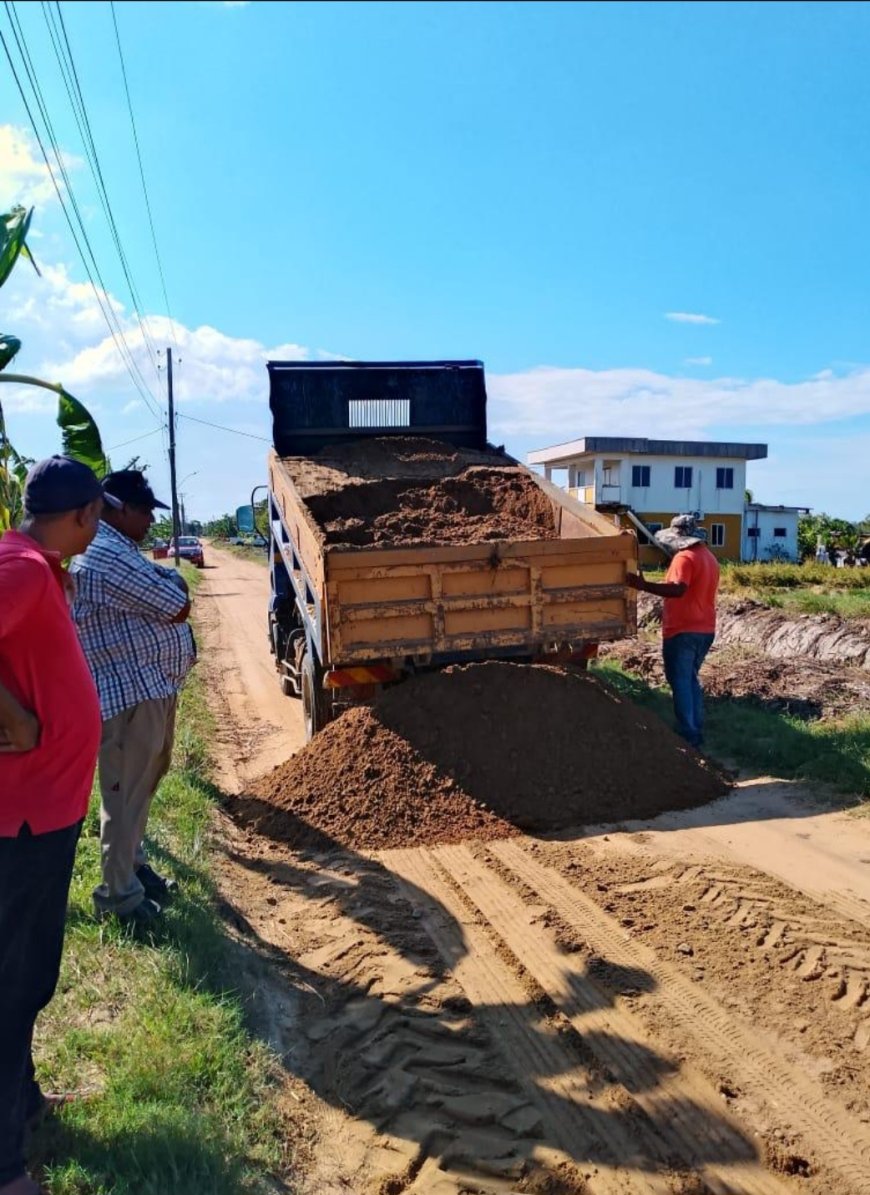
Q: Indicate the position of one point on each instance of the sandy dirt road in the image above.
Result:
(675, 1007)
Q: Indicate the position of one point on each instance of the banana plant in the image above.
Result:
(80, 434)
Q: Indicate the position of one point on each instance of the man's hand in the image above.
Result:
(634, 581)
(20, 733)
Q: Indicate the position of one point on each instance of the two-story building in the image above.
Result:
(657, 479)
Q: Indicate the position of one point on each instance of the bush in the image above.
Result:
(792, 576)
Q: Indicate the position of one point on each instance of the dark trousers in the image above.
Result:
(683, 656)
(35, 874)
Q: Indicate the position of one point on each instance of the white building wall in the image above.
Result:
(768, 544)
(662, 494)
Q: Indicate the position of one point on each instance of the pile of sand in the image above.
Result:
(479, 751)
(409, 491)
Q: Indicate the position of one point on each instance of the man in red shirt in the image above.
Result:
(688, 618)
(49, 740)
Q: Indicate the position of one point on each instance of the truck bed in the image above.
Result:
(548, 571)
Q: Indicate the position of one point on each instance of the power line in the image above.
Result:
(136, 439)
(70, 77)
(221, 428)
(142, 175)
(101, 293)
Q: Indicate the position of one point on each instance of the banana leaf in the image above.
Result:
(81, 436)
(9, 346)
(14, 226)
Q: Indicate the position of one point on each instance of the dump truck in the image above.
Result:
(401, 541)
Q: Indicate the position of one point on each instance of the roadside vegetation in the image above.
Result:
(830, 752)
(179, 1094)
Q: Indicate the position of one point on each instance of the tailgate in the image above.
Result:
(382, 604)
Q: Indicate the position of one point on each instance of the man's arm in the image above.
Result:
(133, 584)
(665, 589)
(19, 728)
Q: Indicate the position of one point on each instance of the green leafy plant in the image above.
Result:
(81, 436)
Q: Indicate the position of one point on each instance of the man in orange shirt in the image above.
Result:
(688, 618)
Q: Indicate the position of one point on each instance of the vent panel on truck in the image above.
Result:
(316, 405)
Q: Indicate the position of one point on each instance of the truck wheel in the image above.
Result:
(315, 708)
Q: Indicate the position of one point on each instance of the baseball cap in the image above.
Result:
(129, 486)
(60, 484)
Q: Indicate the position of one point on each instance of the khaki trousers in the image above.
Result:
(135, 754)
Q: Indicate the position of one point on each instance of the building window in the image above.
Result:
(640, 477)
(717, 535)
(780, 533)
(753, 532)
(683, 477)
(580, 478)
(724, 479)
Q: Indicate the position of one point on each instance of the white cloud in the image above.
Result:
(690, 317)
(698, 361)
(554, 405)
(24, 177)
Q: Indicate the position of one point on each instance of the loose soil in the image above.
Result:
(553, 1015)
(408, 491)
(475, 752)
(804, 688)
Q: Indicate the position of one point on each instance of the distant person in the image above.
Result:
(132, 618)
(49, 738)
(688, 619)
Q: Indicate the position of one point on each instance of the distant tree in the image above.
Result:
(748, 496)
(220, 528)
(833, 534)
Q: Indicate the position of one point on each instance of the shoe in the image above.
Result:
(156, 887)
(142, 920)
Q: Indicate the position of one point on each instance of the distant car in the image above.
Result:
(160, 549)
(189, 548)
(257, 541)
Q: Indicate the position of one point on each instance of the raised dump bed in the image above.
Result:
(395, 548)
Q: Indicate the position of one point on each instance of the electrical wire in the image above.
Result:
(142, 175)
(70, 76)
(101, 292)
(135, 440)
(221, 428)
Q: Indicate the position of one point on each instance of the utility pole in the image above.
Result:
(172, 482)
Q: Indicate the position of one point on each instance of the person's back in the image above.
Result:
(695, 612)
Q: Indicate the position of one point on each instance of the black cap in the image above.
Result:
(129, 486)
(58, 485)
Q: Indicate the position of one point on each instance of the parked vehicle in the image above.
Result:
(189, 548)
(344, 619)
(160, 549)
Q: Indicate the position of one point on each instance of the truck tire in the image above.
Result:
(315, 705)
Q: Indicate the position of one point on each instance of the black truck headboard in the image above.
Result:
(317, 404)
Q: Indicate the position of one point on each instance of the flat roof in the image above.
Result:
(640, 446)
(763, 506)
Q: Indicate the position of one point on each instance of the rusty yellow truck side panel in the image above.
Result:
(382, 603)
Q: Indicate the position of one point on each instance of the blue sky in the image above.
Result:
(538, 185)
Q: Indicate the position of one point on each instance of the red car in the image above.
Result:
(160, 549)
(189, 549)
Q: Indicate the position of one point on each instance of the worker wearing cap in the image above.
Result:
(49, 738)
(132, 619)
(688, 618)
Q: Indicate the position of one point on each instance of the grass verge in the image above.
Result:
(245, 552)
(834, 753)
(181, 1092)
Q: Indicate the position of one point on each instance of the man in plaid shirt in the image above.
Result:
(132, 620)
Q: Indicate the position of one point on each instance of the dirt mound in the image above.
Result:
(480, 751)
(804, 688)
(411, 491)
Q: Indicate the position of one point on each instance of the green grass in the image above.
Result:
(831, 753)
(182, 1092)
(796, 588)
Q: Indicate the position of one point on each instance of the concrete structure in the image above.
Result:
(771, 532)
(657, 479)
